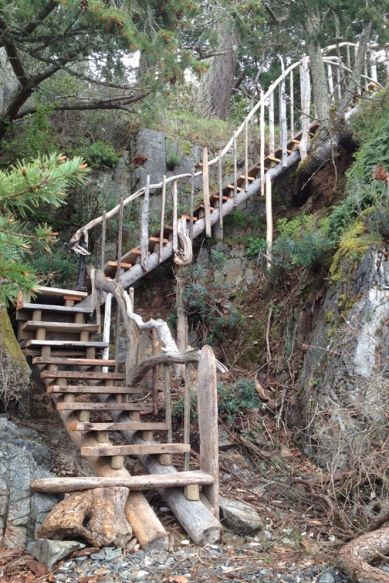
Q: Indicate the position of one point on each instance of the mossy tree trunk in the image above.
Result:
(14, 370)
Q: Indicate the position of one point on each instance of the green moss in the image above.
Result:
(352, 246)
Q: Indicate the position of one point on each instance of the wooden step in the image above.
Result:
(81, 374)
(273, 159)
(187, 217)
(65, 327)
(53, 308)
(73, 361)
(232, 187)
(109, 406)
(113, 265)
(249, 178)
(202, 207)
(217, 197)
(41, 290)
(145, 482)
(155, 239)
(66, 343)
(149, 449)
(129, 426)
(94, 390)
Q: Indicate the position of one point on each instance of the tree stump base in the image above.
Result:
(97, 516)
(355, 556)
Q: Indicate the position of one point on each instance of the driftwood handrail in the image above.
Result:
(265, 101)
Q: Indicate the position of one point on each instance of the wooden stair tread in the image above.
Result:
(109, 406)
(72, 361)
(78, 374)
(94, 389)
(249, 178)
(232, 187)
(187, 217)
(54, 308)
(67, 343)
(155, 239)
(144, 482)
(66, 327)
(144, 449)
(111, 265)
(124, 426)
(42, 290)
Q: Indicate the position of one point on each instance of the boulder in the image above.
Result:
(240, 517)
(23, 457)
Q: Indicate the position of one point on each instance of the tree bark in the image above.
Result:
(318, 73)
(354, 558)
(216, 87)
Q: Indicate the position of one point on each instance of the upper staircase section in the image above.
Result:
(275, 134)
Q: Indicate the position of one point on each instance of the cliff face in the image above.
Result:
(343, 387)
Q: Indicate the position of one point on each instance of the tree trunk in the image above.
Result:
(216, 87)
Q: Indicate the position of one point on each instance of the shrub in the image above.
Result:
(237, 398)
(99, 154)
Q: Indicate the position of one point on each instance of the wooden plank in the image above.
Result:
(187, 406)
(207, 209)
(208, 423)
(64, 327)
(153, 239)
(144, 226)
(77, 406)
(78, 374)
(72, 361)
(58, 292)
(110, 265)
(107, 327)
(162, 221)
(145, 482)
(94, 390)
(148, 449)
(220, 184)
(55, 308)
(66, 343)
(125, 426)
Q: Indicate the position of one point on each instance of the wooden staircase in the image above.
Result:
(93, 399)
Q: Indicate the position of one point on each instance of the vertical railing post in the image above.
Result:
(262, 143)
(291, 89)
(271, 125)
(162, 224)
(144, 227)
(208, 424)
(117, 275)
(192, 192)
(246, 155)
(207, 210)
(283, 124)
(305, 90)
(269, 221)
(235, 155)
(175, 217)
(220, 184)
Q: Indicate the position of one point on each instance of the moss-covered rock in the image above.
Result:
(14, 370)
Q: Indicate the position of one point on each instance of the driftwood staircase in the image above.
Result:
(284, 121)
(96, 404)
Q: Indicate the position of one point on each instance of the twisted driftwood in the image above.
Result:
(97, 516)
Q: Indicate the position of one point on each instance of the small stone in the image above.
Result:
(267, 535)
(49, 552)
(164, 509)
(185, 542)
(112, 553)
(327, 577)
(140, 574)
(239, 516)
(99, 556)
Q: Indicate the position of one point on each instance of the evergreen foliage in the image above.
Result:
(23, 188)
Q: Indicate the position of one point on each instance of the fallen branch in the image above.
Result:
(355, 557)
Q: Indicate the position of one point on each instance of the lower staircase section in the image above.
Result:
(110, 421)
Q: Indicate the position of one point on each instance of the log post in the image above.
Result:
(269, 221)
(246, 155)
(283, 124)
(217, 229)
(175, 217)
(192, 192)
(271, 125)
(208, 424)
(235, 156)
(291, 90)
(305, 89)
(166, 459)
